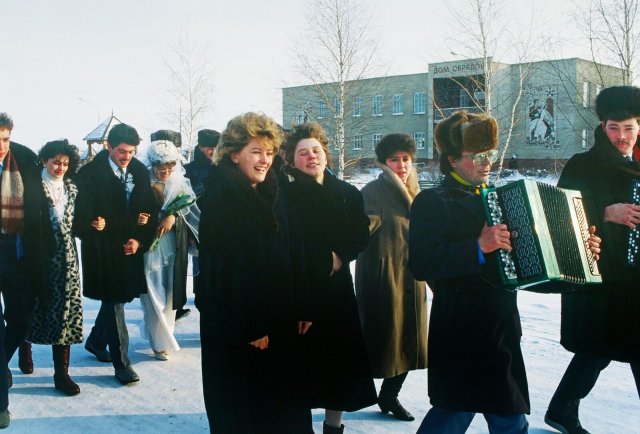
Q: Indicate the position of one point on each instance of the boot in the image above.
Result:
(61, 377)
(25, 359)
(327, 429)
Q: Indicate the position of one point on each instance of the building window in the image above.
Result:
(419, 103)
(322, 109)
(377, 105)
(336, 107)
(376, 139)
(357, 142)
(584, 139)
(420, 138)
(585, 94)
(299, 118)
(357, 106)
(397, 104)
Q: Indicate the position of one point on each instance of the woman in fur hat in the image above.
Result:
(165, 268)
(336, 230)
(251, 293)
(392, 304)
(475, 361)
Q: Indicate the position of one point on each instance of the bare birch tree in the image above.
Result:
(334, 53)
(191, 89)
(611, 32)
(482, 29)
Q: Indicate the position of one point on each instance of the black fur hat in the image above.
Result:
(618, 103)
(208, 138)
(172, 136)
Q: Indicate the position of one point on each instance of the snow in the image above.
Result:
(169, 396)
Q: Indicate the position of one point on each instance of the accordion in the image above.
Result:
(549, 233)
(633, 258)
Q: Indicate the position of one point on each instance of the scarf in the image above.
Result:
(467, 185)
(11, 197)
(57, 196)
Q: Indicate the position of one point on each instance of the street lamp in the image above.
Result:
(92, 105)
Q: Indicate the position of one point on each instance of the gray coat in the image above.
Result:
(392, 304)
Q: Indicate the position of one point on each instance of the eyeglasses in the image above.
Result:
(479, 158)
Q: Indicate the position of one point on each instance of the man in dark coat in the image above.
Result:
(18, 187)
(115, 220)
(474, 357)
(602, 322)
(197, 172)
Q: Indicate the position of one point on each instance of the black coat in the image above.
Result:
(474, 357)
(604, 320)
(333, 218)
(197, 172)
(38, 224)
(108, 274)
(29, 172)
(251, 284)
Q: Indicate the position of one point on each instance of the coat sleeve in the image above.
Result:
(434, 252)
(356, 227)
(84, 206)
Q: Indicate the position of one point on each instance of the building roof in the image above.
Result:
(99, 134)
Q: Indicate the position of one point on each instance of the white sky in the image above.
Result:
(66, 64)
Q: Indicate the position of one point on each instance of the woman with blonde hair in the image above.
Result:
(251, 287)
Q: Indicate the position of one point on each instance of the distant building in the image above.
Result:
(97, 139)
(553, 117)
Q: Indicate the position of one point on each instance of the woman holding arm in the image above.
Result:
(164, 269)
(58, 314)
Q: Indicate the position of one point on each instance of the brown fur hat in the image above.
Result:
(464, 131)
(618, 103)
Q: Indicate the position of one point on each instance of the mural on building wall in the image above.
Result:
(541, 117)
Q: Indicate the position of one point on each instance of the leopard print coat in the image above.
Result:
(60, 321)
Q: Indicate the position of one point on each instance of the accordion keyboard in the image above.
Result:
(634, 234)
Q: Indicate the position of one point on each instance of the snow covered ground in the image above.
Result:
(168, 398)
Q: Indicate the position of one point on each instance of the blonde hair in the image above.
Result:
(242, 128)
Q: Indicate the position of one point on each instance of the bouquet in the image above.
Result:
(179, 203)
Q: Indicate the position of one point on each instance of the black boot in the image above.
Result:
(327, 429)
(391, 404)
(61, 377)
(25, 358)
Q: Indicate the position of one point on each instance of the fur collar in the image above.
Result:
(410, 191)
(260, 199)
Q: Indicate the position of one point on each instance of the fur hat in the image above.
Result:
(464, 131)
(208, 138)
(172, 136)
(618, 103)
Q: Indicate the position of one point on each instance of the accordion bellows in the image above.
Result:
(549, 233)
